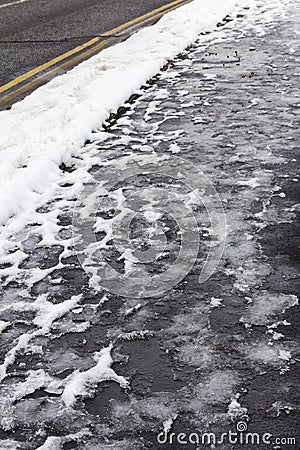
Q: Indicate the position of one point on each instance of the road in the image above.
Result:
(36, 31)
(213, 357)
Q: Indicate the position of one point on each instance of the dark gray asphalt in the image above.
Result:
(185, 358)
(36, 31)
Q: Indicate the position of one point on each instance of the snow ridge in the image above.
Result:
(50, 125)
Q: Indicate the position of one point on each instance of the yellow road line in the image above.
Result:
(138, 19)
(155, 17)
(31, 85)
(13, 3)
(87, 44)
(40, 80)
(38, 69)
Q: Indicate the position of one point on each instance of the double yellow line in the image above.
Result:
(26, 83)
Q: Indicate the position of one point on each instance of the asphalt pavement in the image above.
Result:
(33, 32)
(213, 357)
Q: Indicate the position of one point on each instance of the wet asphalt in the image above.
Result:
(195, 359)
(33, 32)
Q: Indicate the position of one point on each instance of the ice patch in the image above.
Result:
(266, 306)
(216, 302)
(9, 444)
(269, 354)
(3, 325)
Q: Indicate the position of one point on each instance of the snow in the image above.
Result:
(56, 442)
(216, 302)
(222, 361)
(235, 410)
(78, 383)
(132, 310)
(52, 443)
(174, 148)
(9, 444)
(134, 335)
(47, 313)
(269, 354)
(35, 380)
(50, 125)
(279, 406)
(167, 424)
(3, 325)
(82, 383)
(10, 357)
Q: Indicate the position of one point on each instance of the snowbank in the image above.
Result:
(51, 124)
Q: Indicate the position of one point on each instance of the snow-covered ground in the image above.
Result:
(52, 124)
(91, 370)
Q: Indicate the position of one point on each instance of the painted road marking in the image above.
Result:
(13, 3)
(96, 45)
(44, 66)
(56, 60)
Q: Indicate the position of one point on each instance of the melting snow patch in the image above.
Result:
(84, 383)
(9, 444)
(132, 310)
(267, 354)
(266, 306)
(52, 443)
(280, 406)
(3, 325)
(49, 126)
(216, 302)
(167, 424)
(174, 148)
(56, 442)
(35, 380)
(235, 410)
(47, 313)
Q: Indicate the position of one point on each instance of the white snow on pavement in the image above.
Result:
(3, 325)
(266, 306)
(189, 333)
(81, 383)
(47, 313)
(46, 128)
